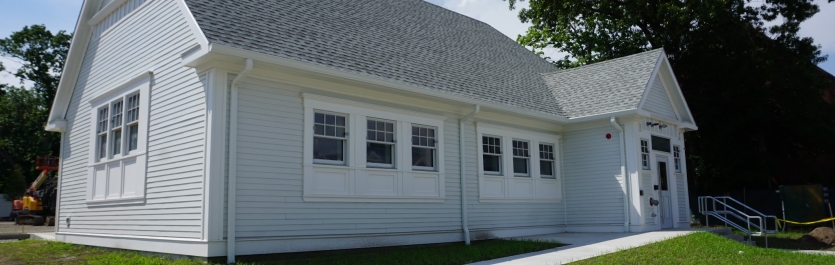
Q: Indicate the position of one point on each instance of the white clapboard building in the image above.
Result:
(221, 128)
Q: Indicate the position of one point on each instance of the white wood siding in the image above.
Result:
(269, 179)
(488, 216)
(646, 185)
(153, 37)
(683, 213)
(593, 185)
(116, 16)
(657, 101)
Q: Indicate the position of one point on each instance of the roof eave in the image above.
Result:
(223, 50)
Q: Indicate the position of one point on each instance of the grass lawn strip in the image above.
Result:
(706, 248)
(48, 252)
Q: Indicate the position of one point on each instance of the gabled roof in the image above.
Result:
(407, 41)
(604, 87)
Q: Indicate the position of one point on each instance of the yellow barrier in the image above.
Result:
(804, 223)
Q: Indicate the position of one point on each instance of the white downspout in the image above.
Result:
(462, 167)
(233, 163)
(626, 212)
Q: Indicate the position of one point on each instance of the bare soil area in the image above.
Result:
(11, 228)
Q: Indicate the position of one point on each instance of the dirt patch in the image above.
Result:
(823, 237)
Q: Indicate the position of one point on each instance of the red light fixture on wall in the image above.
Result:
(608, 136)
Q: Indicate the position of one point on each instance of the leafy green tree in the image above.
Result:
(43, 55)
(750, 80)
(24, 111)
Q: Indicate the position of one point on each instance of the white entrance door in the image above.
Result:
(666, 202)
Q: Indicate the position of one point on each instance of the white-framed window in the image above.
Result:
(424, 147)
(329, 138)
(508, 167)
(521, 158)
(645, 154)
(547, 163)
(677, 158)
(491, 147)
(119, 138)
(363, 152)
(380, 143)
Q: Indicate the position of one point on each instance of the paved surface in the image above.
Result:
(817, 252)
(11, 228)
(584, 245)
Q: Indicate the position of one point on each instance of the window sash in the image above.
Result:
(498, 165)
(424, 136)
(391, 149)
(521, 158)
(645, 154)
(432, 159)
(551, 166)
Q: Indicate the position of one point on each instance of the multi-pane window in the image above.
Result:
(380, 144)
(492, 154)
(329, 138)
(644, 154)
(546, 161)
(424, 147)
(677, 158)
(117, 121)
(132, 121)
(521, 157)
(101, 133)
(116, 128)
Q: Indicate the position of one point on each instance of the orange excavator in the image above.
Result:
(37, 207)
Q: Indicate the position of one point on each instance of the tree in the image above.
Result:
(43, 55)
(24, 111)
(753, 89)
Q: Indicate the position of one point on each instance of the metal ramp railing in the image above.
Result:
(725, 209)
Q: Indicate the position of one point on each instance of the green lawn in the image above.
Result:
(45, 252)
(706, 248)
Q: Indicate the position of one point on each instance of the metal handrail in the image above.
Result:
(765, 216)
(722, 215)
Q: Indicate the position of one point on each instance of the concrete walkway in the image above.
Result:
(583, 246)
(43, 236)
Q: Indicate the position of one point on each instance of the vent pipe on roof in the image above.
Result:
(233, 163)
(626, 211)
(463, 172)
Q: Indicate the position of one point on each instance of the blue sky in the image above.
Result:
(62, 14)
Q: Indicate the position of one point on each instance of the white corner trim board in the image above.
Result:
(233, 163)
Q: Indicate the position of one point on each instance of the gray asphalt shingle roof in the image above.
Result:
(603, 87)
(405, 41)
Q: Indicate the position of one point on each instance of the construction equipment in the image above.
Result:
(38, 204)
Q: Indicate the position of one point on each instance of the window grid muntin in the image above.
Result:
(521, 152)
(491, 147)
(116, 119)
(546, 155)
(380, 132)
(645, 154)
(677, 158)
(102, 132)
(327, 125)
(424, 138)
(132, 109)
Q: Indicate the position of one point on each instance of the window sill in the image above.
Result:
(379, 169)
(381, 199)
(519, 200)
(117, 159)
(116, 202)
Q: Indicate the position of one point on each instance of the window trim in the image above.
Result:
(677, 158)
(500, 155)
(645, 154)
(393, 144)
(140, 84)
(353, 176)
(528, 159)
(504, 188)
(434, 149)
(553, 161)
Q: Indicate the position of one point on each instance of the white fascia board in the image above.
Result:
(56, 126)
(221, 51)
(75, 57)
(669, 68)
(603, 116)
